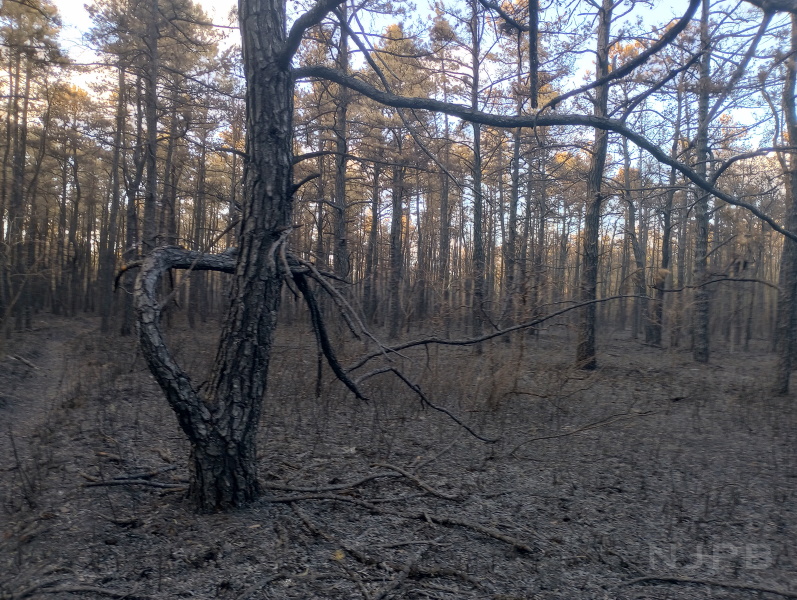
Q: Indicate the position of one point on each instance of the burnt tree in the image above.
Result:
(221, 419)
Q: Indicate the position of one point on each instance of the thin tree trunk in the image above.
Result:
(151, 108)
(372, 251)
(787, 296)
(478, 199)
(700, 315)
(341, 258)
(585, 352)
(108, 250)
(396, 252)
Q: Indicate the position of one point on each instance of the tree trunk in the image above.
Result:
(396, 253)
(479, 296)
(700, 316)
(341, 259)
(656, 318)
(585, 352)
(372, 252)
(640, 307)
(108, 251)
(787, 296)
(151, 110)
(222, 425)
(132, 185)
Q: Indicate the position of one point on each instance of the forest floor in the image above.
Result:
(651, 477)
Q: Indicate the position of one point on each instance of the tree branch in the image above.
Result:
(471, 341)
(712, 582)
(191, 412)
(312, 17)
(640, 60)
(789, 6)
(540, 120)
(505, 16)
(323, 338)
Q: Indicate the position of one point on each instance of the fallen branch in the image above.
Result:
(362, 557)
(329, 488)
(417, 481)
(602, 423)
(145, 474)
(24, 361)
(74, 589)
(714, 582)
(144, 482)
(415, 516)
(261, 584)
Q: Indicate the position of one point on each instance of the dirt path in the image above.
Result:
(36, 373)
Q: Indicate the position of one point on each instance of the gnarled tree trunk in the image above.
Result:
(222, 422)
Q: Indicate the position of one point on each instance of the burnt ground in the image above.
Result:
(651, 477)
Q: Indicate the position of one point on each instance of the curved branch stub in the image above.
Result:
(192, 413)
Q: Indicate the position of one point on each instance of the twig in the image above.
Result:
(145, 474)
(472, 341)
(415, 516)
(74, 589)
(714, 582)
(24, 361)
(145, 482)
(425, 400)
(415, 570)
(417, 481)
(607, 421)
(396, 583)
(261, 584)
(329, 488)
(720, 280)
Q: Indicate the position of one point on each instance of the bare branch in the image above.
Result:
(312, 17)
(469, 114)
(505, 16)
(470, 341)
(425, 400)
(711, 582)
(789, 6)
(640, 60)
(742, 66)
(295, 187)
(323, 338)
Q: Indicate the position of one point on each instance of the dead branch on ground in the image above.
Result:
(710, 582)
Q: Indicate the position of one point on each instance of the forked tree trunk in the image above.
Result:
(222, 423)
